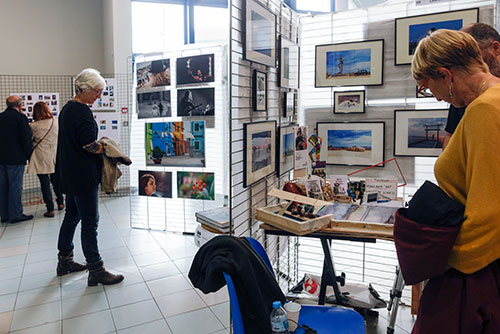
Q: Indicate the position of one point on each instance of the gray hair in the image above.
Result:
(88, 79)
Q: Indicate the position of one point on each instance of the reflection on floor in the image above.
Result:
(155, 297)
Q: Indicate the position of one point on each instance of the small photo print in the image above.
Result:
(154, 73)
(154, 104)
(193, 185)
(114, 127)
(195, 102)
(103, 127)
(195, 69)
(155, 184)
(114, 121)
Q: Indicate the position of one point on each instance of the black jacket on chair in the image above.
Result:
(255, 284)
(15, 138)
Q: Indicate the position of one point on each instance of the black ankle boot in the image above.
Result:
(66, 265)
(97, 274)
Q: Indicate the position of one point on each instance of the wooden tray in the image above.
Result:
(380, 231)
(269, 216)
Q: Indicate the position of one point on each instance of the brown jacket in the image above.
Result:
(112, 157)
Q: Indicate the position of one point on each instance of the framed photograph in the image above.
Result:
(349, 102)
(155, 184)
(195, 69)
(288, 63)
(195, 102)
(154, 104)
(289, 104)
(286, 152)
(259, 90)
(410, 30)
(151, 74)
(424, 93)
(175, 144)
(260, 34)
(259, 151)
(194, 185)
(352, 143)
(419, 133)
(350, 64)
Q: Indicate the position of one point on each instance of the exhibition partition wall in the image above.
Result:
(257, 92)
(371, 263)
(179, 136)
(56, 90)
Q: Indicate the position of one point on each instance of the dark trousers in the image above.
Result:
(45, 181)
(11, 188)
(84, 207)
(461, 303)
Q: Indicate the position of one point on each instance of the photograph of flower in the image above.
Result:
(155, 184)
(193, 185)
(179, 144)
(195, 69)
(152, 74)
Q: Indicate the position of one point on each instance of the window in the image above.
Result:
(211, 24)
(157, 27)
(196, 127)
(315, 6)
(196, 145)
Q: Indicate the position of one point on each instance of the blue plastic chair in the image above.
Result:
(323, 319)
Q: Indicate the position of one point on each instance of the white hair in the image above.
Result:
(88, 79)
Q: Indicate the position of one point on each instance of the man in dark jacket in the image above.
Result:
(15, 150)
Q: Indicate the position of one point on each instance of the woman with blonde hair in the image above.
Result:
(43, 159)
(466, 297)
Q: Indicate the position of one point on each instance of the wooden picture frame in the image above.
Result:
(349, 102)
(419, 133)
(288, 63)
(259, 35)
(286, 153)
(259, 90)
(259, 151)
(410, 30)
(352, 143)
(350, 64)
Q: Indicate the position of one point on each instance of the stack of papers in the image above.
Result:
(216, 218)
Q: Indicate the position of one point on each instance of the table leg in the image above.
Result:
(328, 276)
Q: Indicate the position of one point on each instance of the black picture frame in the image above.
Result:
(349, 102)
(416, 143)
(405, 44)
(288, 63)
(261, 51)
(259, 90)
(284, 159)
(258, 137)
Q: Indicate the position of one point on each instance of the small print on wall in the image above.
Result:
(259, 143)
(151, 74)
(30, 99)
(154, 104)
(259, 97)
(301, 153)
(193, 185)
(196, 102)
(419, 132)
(155, 184)
(107, 101)
(286, 149)
(352, 143)
(288, 63)
(180, 144)
(195, 69)
(289, 104)
(351, 102)
(350, 64)
(410, 30)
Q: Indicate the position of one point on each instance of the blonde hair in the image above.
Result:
(88, 79)
(448, 49)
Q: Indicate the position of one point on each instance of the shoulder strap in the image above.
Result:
(51, 124)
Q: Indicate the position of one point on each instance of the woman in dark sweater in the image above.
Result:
(79, 164)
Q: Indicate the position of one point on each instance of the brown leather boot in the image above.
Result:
(66, 265)
(98, 274)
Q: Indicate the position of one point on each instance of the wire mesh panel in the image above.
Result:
(177, 213)
(63, 84)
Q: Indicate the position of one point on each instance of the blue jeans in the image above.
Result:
(45, 181)
(11, 188)
(84, 207)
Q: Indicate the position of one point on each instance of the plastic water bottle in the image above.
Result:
(279, 319)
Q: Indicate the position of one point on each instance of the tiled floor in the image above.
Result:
(155, 297)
